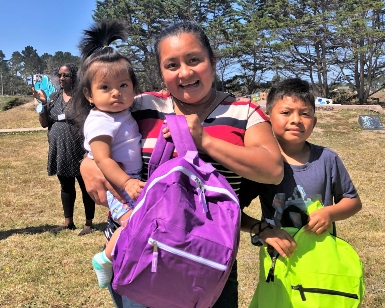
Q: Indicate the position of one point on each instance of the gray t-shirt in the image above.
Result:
(324, 174)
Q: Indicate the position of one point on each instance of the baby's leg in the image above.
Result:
(102, 261)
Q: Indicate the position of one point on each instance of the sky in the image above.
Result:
(46, 25)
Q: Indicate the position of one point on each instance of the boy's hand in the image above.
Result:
(319, 221)
(280, 240)
(133, 187)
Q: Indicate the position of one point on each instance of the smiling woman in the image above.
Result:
(232, 134)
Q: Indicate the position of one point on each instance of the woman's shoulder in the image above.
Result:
(162, 94)
(160, 101)
(240, 100)
(55, 96)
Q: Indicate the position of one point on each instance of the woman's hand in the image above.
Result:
(40, 95)
(96, 184)
(195, 128)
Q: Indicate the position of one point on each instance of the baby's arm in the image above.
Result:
(320, 220)
(101, 150)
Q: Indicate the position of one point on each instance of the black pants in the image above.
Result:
(68, 197)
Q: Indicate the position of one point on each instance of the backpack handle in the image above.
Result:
(181, 140)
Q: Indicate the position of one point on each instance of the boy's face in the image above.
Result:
(292, 120)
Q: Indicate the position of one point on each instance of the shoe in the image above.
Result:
(86, 231)
(61, 228)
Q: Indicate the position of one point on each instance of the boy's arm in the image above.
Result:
(101, 150)
(320, 220)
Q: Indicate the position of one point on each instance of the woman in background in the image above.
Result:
(65, 147)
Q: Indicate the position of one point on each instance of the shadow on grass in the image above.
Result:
(41, 229)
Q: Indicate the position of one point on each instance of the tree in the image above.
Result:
(4, 71)
(32, 63)
(302, 40)
(145, 19)
(362, 35)
(252, 51)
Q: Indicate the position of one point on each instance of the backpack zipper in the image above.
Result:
(200, 187)
(158, 245)
(193, 177)
(302, 291)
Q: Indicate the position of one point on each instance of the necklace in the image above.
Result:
(197, 113)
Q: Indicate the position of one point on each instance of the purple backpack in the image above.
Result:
(181, 241)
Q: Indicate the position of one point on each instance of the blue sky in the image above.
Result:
(46, 25)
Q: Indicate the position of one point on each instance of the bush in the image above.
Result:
(341, 97)
(13, 102)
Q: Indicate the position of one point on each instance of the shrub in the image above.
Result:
(342, 97)
(13, 102)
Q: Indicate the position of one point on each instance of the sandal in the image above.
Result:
(61, 228)
(86, 231)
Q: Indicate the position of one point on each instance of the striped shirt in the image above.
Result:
(228, 121)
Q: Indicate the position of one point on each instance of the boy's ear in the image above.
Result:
(87, 94)
(314, 121)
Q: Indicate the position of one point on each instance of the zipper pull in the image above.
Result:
(201, 193)
(301, 291)
(270, 276)
(154, 263)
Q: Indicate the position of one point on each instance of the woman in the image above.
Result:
(65, 147)
(233, 135)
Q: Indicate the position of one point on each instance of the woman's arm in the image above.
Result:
(96, 183)
(259, 159)
(43, 117)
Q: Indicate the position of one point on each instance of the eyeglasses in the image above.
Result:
(63, 75)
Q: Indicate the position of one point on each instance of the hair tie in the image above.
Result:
(105, 46)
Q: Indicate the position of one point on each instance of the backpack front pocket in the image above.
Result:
(178, 252)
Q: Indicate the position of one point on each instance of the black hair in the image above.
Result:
(293, 87)
(94, 47)
(73, 68)
(184, 27)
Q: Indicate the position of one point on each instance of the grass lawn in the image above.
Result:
(38, 269)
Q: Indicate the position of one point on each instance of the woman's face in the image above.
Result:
(65, 78)
(186, 68)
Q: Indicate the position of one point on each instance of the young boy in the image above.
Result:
(310, 170)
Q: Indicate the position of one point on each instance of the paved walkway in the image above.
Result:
(30, 129)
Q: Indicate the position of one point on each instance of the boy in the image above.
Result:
(310, 171)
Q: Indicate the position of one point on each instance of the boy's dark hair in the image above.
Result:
(293, 87)
(184, 27)
(94, 47)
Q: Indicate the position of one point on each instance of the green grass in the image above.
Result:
(38, 269)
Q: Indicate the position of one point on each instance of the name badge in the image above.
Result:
(61, 117)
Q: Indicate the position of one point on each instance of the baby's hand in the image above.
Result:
(319, 221)
(133, 187)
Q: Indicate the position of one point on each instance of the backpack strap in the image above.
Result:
(181, 140)
(180, 134)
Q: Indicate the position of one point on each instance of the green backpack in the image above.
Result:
(324, 271)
